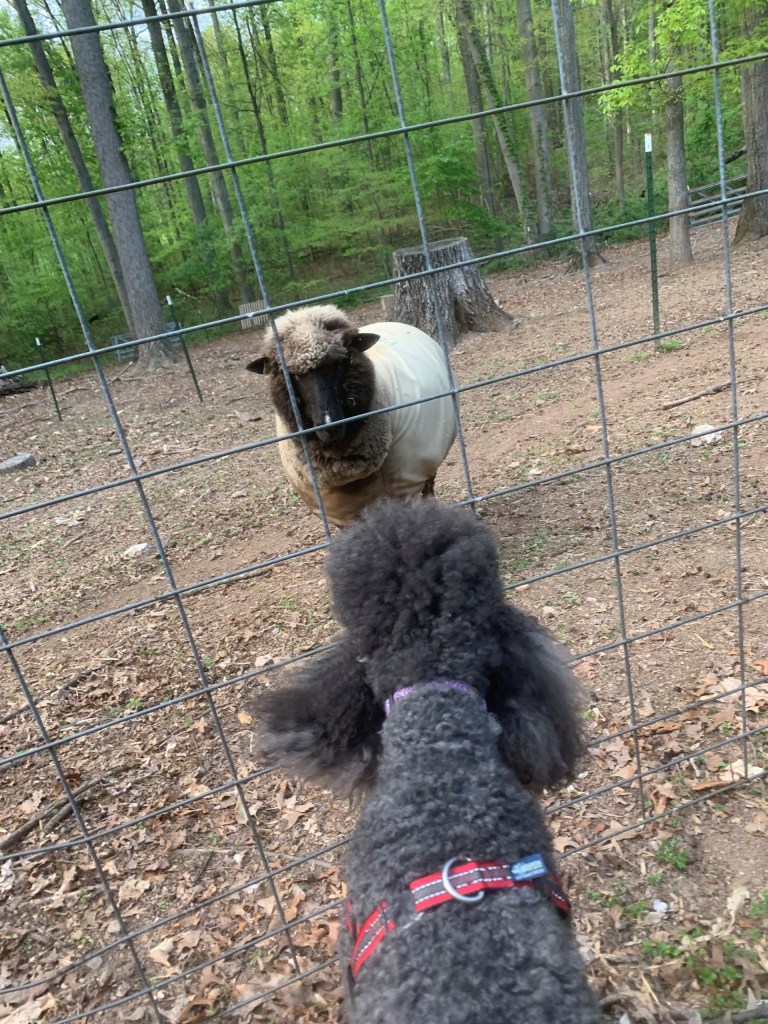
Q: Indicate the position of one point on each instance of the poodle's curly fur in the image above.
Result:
(416, 587)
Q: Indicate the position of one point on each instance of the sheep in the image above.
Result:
(338, 371)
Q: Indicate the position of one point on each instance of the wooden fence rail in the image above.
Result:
(705, 194)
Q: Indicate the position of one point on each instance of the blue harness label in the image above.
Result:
(528, 867)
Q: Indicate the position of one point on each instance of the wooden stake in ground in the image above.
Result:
(461, 294)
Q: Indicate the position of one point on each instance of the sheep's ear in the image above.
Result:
(359, 340)
(325, 724)
(536, 699)
(261, 365)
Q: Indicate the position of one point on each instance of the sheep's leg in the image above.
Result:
(428, 490)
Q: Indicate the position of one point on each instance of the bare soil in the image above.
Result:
(147, 708)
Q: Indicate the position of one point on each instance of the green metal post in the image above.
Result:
(48, 378)
(184, 348)
(652, 229)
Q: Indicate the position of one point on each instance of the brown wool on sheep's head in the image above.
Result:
(307, 337)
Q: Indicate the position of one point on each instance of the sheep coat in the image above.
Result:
(397, 453)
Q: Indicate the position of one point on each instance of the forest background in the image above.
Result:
(134, 104)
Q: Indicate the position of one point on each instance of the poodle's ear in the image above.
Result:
(325, 723)
(536, 699)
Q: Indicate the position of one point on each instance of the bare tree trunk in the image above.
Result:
(538, 120)
(482, 154)
(337, 106)
(221, 50)
(76, 156)
(753, 220)
(168, 89)
(185, 41)
(282, 106)
(146, 310)
(652, 58)
(461, 294)
(573, 116)
(617, 117)
(264, 149)
(680, 251)
(445, 57)
(165, 78)
(383, 249)
(500, 127)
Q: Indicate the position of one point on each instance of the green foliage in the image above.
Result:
(663, 949)
(329, 219)
(759, 907)
(674, 852)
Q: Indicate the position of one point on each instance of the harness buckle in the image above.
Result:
(450, 888)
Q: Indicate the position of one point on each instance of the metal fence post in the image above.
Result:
(48, 378)
(184, 348)
(651, 228)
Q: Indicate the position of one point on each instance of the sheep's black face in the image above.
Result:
(341, 384)
(323, 401)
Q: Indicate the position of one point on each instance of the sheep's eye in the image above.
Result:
(334, 325)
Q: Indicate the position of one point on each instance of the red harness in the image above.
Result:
(466, 883)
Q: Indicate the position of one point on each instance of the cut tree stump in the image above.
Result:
(460, 293)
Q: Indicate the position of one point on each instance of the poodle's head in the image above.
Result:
(415, 585)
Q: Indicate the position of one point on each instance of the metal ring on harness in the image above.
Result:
(449, 888)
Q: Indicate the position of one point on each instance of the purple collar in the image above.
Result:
(435, 684)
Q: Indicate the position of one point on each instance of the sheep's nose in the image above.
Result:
(331, 431)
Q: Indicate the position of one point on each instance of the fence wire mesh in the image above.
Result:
(151, 866)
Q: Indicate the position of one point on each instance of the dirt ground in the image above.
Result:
(147, 708)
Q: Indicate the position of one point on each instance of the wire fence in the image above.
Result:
(163, 924)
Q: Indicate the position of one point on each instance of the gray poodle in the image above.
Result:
(444, 703)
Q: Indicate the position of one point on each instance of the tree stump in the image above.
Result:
(461, 294)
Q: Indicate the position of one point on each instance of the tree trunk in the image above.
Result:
(282, 104)
(445, 56)
(229, 92)
(500, 124)
(175, 119)
(383, 248)
(76, 156)
(617, 117)
(562, 11)
(165, 78)
(337, 105)
(680, 251)
(461, 294)
(274, 191)
(538, 119)
(753, 219)
(482, 155)
(185, 41)
(146, 310)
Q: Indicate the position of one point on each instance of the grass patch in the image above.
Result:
(673, 851)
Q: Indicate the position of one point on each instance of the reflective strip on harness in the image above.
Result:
(372, 931)
(466, 879)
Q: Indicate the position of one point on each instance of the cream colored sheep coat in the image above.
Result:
(396, 453)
